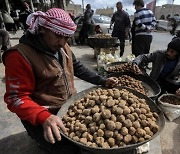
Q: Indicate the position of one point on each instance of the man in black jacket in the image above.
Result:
(87, 21)
(122, 24)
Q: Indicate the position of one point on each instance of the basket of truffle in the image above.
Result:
(141, 83)
(122, 67)
(102, 41)
(170, 105)
(103, 121)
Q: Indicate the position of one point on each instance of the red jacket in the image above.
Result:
(18, 70)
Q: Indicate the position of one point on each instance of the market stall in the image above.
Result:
(105, 51)
(102, 43)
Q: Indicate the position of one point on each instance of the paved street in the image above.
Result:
(14, 140)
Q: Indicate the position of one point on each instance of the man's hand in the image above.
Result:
(111, 82)
(149, 30)
(51, 129)
(111, 23)
(136, 69)
(178, 92)
(127, 35)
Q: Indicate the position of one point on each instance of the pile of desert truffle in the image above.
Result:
(171, 99)
(110, 118)
(103, 36)
(124, 67)
(132, 83)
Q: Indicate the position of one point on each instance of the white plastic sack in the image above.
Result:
(143, 148)
(130, 58)
(171, 111)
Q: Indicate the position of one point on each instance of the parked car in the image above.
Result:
(100, 23)
(163, 25)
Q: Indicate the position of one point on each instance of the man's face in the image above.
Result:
(54, 41)
(119, 7)
(137, 7)
(88, 6)
(171, 54)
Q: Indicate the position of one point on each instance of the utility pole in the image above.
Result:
(83, 5)
(172, 8)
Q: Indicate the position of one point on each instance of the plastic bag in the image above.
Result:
(143, 148)
(171, 111)
(130, 58)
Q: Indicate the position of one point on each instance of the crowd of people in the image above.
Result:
(46, 66)
(87, 21)
(12, 22)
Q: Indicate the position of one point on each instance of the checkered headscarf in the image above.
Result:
(55, 19)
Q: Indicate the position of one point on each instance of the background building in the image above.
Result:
(108, 11)
(74, 9)
(166, 11)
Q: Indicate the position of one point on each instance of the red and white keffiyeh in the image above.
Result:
(55, 19)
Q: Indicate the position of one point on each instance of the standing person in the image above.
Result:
(8, 20)
(177, 35)
(2, 26)
(24, 13)
(87, 21)
(174, 25)
(5, 43)
(121, 25)
(44, 79)
(165, 66)
(5, 40)
(144, 24)
(15, 17)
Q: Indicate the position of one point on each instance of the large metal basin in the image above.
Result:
(119, 150)
(152, 88)
(102, 42)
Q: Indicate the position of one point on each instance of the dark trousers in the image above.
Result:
(132, 40)
(60, 147)
(141, 44)
(132, 45)
(121, 36)
(84, 33)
